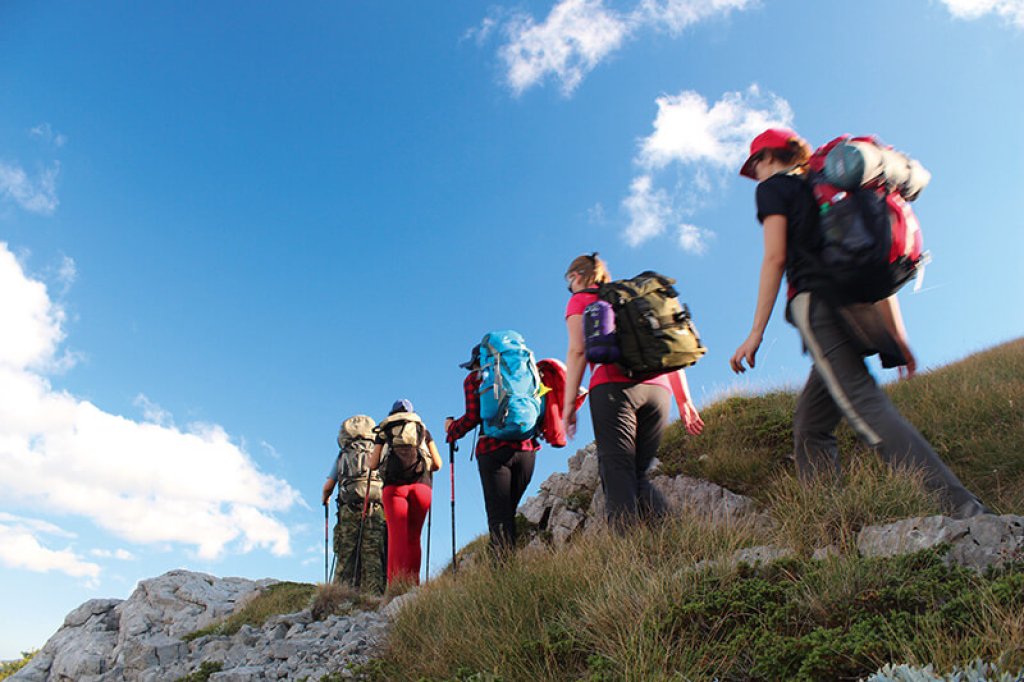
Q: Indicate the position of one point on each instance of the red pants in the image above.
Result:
(405, 508)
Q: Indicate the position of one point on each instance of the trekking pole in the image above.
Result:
(334, 554)
(430, 513)
(358, 578)
(327, 525)
(452, 448)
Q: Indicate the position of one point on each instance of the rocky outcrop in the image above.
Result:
(976, 543)
(141, 638)
(569, 503)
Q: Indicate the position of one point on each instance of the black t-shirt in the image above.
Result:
(791, 196)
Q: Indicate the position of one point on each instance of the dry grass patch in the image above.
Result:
(829, 513)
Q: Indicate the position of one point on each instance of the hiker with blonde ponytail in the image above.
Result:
(629, 415)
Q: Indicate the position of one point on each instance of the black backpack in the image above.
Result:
(405, 458)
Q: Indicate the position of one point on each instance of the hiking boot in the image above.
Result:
(970, 509)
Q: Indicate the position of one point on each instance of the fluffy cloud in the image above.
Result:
(119, 554)
(699, 141)
(1010, 10)
(21, 548)
(145, 482)
(578, 34)
(648, 210)
(36, 195)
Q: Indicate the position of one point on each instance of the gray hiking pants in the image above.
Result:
(840, 385)
(629, 420)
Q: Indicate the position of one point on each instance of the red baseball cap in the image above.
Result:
(773, 138)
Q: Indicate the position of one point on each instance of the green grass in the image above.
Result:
(284, 597)
(611, 608)
(972, 412)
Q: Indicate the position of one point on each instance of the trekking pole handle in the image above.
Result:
(454, 445)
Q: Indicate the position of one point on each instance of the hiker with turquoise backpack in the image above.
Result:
(637, 338)
(360, 533)
(503, 396)
(407, 456)
(836, 223)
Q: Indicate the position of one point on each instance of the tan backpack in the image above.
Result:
(406, 457)
(355, 440)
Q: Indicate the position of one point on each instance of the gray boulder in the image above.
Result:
(976, 543)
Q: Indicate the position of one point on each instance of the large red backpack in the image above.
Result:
(870, 240)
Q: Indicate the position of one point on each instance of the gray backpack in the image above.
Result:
(355, 438)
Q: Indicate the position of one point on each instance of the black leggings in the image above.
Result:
(504, 474)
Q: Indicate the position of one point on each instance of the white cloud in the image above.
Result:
(1010, 10)
(119, 554)
(37, 195)
(142, 481)
(578, 34)
(693, 239)
(648, 210)
(35, 525)
(689, 131)
(153, 413)
(699, 142)
(45, 132)
(21, 548)
(676, 15)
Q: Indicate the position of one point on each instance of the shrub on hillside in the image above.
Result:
(8, 668)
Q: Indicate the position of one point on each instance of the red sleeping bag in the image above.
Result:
(552, 375)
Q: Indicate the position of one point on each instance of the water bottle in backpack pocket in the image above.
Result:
(640, 325)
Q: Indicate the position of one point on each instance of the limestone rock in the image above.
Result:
(139, 639)
(977, 543)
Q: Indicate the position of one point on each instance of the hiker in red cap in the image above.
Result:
(839, 385)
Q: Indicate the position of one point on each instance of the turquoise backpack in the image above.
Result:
(509, 387)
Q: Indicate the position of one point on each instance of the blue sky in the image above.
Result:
(225, 227)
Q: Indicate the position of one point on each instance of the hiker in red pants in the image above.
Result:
(406, 469)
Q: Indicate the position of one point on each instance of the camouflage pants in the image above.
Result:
(373, 561)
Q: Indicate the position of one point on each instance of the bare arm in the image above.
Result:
(373, 461)
(893, 318)
(773, 265)
(328, 489)
(575, 365)
(435, 456)
(687, 410)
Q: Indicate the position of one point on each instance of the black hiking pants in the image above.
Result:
(504, 474)
(629, 420)
(839, 386)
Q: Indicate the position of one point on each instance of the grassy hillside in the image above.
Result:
(971, 411)
(636, 608)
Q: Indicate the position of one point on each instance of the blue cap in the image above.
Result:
(402, 405)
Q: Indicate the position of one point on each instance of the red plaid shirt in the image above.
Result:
(467, 422)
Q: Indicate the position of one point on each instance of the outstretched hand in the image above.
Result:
(747, 351)
(692, 421)
(910, 369)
